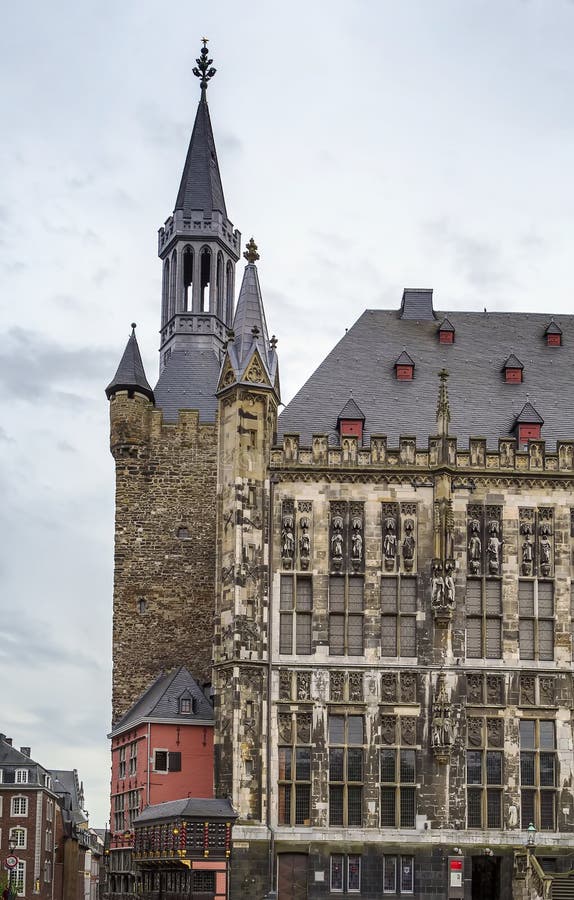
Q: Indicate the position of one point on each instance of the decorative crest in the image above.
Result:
(443, 406)
(251, 254)
(204, 69)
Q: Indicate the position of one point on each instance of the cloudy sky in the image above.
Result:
(367, 145)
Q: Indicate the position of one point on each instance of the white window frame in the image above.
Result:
(157, 750)
(337, 890)
(20, 875)
(24, 800)
(350, 856)
(49, 810)
(19, 845)
(21, 776)
(48, 840)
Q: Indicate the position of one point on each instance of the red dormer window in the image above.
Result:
(404, 367)
(528, 432)
(351, 428)
(446, 332)
(513, 370)
(554, 340)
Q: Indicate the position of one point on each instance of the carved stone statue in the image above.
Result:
(357, 541)
(493, 547)
(441, 729)
(409, 544)
(545, 550)
(474, 548)
(437, 587)
(527, 548)
(449, 587)
(337, 541)
(390, 544)
(288, 540)
(304, 543)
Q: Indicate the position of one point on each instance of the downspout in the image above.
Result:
(148, 763)
(271, 875)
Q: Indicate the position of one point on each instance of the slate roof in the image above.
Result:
(553, 328)
(482, 404)
(417, 304)
(404, 360)
(249, 313)
(130, 374)
(193, 807)
(188, 381)
(351, 411)
(200, 187)
(11, 756)
(65, 782)
(161, 702)
(446, 325)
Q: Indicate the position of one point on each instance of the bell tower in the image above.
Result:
(198, 245)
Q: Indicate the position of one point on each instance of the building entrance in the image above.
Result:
(292, 876)
(486, 878)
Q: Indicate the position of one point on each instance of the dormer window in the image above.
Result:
(351, 420)
(404, 367)
(528, 425)
(513, 370)
(186, 704)
(553, 334)
(446, 332)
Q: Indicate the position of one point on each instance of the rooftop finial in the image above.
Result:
(251, 254)
(134, 326)
(443, 406)
(204, 69)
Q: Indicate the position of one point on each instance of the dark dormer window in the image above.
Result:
(553, 334)
(404, 367)
(446, 332)
(186, 705)
(528, 425)
(513, 370)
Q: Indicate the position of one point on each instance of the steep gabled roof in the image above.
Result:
(404, 360)
(249, 314)
(201, 187)
(553, 328)
(512, 362)
(161, 702)
(529, 416)
(351, 410)
(130, 375)
(446, 325)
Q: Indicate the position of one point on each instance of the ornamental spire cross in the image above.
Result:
(251, 254)
(204, 70)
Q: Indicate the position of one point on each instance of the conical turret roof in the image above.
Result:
(130, 375)
(250, 314)
(200, 187)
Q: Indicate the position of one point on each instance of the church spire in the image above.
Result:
(200, 187)
(199, 249)
(130, 375)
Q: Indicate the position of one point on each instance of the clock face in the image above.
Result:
(11, 862)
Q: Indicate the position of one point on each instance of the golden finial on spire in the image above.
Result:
(251, 254)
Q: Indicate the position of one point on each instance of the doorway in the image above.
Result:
(292, 876)
(485, 878)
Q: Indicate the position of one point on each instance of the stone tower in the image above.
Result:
(164, 440)
(248, 400)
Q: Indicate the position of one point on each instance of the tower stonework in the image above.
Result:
(164, 441)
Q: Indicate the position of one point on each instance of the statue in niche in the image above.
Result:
(390, 544)
(442, 730)
(437, 587)
(505, 455)
(565, 455)
(474, 547)
(409, 544)
(535, 456)
(337, 541)
(527, 548)
(304, 543)
(493, 547)
(545, 550)
(357, 541)
(337, 682)
(449, 587)
(288, 540)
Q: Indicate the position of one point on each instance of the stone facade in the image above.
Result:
(164, 545)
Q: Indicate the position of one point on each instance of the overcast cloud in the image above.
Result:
(366, 145)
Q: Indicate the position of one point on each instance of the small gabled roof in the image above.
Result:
(529, 416)
(446, 325)
(130, 375)
(192, 807)
(553, 328)
(512, 362)
(160, 702)
(351, 410)
(404, 360)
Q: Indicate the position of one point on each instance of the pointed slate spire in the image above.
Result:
(249, 314)
(528, 415)
(130, 375)
(201, 187)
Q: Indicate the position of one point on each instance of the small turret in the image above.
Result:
(131, 402)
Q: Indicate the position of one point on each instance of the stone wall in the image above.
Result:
(164, 546)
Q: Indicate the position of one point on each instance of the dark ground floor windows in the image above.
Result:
(398, 874)
(345, 873)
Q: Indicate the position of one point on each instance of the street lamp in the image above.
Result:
(11, 850)
(531, 835)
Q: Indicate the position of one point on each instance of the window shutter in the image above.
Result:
(474, 638)
(174, 761)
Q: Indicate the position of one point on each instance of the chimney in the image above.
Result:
(25, 751)
(8, 740)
